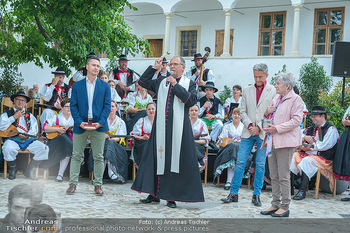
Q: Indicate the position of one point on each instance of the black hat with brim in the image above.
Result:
(317, 109)
(123, 57)
(197, 56)
(19, 93)
(209, 84)
(164, 60)
(59, 70)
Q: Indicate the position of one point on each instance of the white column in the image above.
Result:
(166, 50)
(226, 49)
(296, 28)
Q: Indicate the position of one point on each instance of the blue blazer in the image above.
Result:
(101, 104)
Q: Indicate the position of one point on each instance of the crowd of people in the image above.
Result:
(173, 117)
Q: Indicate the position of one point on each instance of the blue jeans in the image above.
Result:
(245, 148)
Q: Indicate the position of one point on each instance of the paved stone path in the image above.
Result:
(119, 201)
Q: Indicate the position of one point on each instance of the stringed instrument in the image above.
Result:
(122, 136)
(52, 135)
(198, 136)
(47, 106)
(12, 131)
(205, 59)
(119, 136)
(225, 141)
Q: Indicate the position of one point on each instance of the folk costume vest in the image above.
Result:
(214, 108)
(55, 95)
(12, 112)
(311, 131)
(129, 80)
(22, 143)
(205, 74)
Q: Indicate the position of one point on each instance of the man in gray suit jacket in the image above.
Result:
(256, 98)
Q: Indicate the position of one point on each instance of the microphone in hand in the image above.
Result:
(167, 82)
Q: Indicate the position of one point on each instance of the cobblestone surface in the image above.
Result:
(119, 201)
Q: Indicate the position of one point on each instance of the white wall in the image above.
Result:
(246, 26)
(235, 70)
(232, 71)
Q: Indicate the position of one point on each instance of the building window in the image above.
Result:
(328, 28)
(271, 33)
(188, 43)
(187, 40)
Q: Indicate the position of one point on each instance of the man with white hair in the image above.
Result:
(255, 100)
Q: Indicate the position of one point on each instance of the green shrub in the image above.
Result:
(226, 93)
(312, 80)
(10, 79)
(332, 102)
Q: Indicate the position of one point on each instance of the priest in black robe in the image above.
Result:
(169, 166)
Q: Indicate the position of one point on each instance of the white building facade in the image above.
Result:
(240, 34)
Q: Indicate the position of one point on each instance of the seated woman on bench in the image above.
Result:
(142, 130)
(201, 136)
(227, 155)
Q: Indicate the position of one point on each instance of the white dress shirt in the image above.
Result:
(90, 87)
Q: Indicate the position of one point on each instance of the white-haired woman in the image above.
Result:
(282, 137)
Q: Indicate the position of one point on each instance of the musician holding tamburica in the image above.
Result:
(26, 123)
(124, 77)
(200, 74)
(227, 156)
(59, 130)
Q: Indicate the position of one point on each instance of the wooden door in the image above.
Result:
(219, 42)
(156, 46)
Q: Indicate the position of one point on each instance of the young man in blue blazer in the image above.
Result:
(90, 106)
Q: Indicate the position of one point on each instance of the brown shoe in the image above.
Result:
(71, 189)
(98, 190)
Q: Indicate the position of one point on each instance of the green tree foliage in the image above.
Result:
(284, 69)
(10, 80)
(332, 103)
(62, 32)
(313, 79)
(226, 93)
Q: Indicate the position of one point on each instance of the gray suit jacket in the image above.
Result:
(252, 112)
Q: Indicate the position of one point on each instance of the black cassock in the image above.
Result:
(186, 185)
